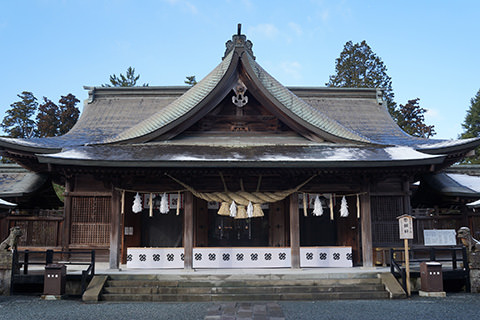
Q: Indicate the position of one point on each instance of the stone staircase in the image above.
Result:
(260, 287)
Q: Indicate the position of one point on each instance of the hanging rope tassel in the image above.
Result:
(137, 204)
(150, 202)
(331, 207)
(317, 207)
(305, 212)
(179, 202)
(344, 208)
(358, 206)
(164, 204)
(233, 209)
(122, 208)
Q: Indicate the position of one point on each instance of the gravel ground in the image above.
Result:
(25, 307)
(455, 306)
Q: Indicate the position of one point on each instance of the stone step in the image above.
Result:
(243, 287)
(240, 283)
(239, 289)
(242, 276)
(247, 297)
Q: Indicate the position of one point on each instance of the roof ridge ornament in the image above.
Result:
(238, 40)
(240, 99)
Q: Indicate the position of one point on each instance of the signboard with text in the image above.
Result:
(445, 237)
(405, 224)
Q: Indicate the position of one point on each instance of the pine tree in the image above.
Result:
(68, 113)
(18, 122)
(412, 120)
(359, 67)
(472, 119)
(48, 120)
(191, 80)
(127, 80)
(472, 126)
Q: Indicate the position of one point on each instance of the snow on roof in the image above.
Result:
(7, 204)
(472, 182)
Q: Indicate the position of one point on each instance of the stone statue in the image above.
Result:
(468, 241)
(11, 241)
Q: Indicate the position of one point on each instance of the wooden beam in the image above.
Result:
(115, 230)
(188, 231)
(366, 226)
(67, 208)
(294, 231)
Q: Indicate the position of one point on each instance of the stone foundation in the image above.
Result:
(5, 272)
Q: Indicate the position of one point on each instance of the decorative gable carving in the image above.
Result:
(239, 112)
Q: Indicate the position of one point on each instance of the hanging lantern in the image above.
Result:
(317, 207)
(344, 208)
(137, 204)
(250, 209)
(164, 204)
(233, 209)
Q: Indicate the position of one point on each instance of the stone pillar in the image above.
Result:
(474, 263)
(5, 272)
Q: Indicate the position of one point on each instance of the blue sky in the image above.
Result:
(55, 47)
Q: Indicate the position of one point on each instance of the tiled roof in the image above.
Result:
(454, 185)
(301, 109)
(355, 117)
(178, 108)
(310, 155)
(16, 181)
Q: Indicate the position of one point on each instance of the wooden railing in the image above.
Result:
(450, 257)
(48, 257)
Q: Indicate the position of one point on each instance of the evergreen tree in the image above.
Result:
(359, 67)
(54, 120)
(412, 120)
(68, 113)
(472, 119)
(191, 81)
(18, 122)
(48, 120)
(471, 125)
(127, 80)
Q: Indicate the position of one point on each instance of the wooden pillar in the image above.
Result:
(366, 225)
(115, 230)
(67, 209)
(188, 231)
(407, 207)
(294, 231)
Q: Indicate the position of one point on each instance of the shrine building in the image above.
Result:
(237, 171)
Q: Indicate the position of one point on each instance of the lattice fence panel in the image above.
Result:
(385, 210)
(90, 220)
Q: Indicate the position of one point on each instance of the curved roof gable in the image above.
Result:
(205, 95)
(183, 107)
(295, 108)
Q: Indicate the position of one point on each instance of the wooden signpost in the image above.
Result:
(405, 223)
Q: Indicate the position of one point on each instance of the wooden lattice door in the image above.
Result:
(90, 221)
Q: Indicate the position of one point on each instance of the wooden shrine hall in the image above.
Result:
(237, 171)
